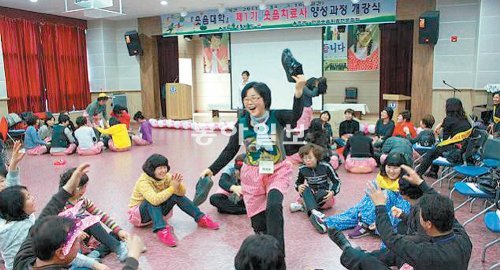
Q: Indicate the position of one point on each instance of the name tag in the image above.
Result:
(266, 166)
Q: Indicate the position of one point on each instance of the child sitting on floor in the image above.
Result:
(154, 196)
(121, 113)
(120, 140)
(32, 142)
(145, 136)
(45, 131)
(87, 139)
(63, 142)
(96, 230)
(229, 198)
(316, 183)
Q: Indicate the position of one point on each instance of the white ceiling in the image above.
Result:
(133, 8)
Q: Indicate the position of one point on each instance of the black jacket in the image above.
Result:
(322, 177)
(359, 146)
(348, 127)
(451, 251)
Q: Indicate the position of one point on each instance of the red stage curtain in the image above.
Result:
(21, 55)
(65, 67)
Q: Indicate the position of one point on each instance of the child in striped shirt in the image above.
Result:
(97, 230)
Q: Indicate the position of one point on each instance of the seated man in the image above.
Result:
(53, 242)
(449, 246)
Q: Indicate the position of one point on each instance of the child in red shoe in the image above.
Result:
(155, 194)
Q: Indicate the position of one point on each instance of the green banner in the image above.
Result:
(319, 13)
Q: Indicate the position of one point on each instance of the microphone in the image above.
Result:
(452, 87)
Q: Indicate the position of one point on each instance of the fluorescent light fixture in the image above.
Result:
(355, 1)
(307, 3)
(163, 3)
(184, 12)
(33, 1)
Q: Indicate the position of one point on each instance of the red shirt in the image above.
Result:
(123, 118)
(399, 129)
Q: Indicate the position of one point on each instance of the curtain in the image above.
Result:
(168, 66)
(65, 67)
(21, 54)
(396, 51)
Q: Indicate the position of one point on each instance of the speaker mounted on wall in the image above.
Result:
(133, 43)
(428, 27)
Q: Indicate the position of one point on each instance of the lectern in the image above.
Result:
(396, 102)
(179, 101)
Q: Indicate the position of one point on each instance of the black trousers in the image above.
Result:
(313, 200)
(356, 259)
(108, 241)
(270, 221)
(430, 156)
(225, 206)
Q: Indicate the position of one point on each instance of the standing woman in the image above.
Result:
(265, 175)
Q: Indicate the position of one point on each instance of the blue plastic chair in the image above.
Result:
(473, 193)
(492, 222)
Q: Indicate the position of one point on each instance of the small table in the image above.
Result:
(357, 107)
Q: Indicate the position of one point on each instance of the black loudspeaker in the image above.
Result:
(428, 27)
(133, 43)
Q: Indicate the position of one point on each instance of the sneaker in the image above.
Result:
(338, 238)
(318, 223)
(206, 222)
(295, 207)
(122, 252)
(166, 237)
(202, 189)
(291, 65)
(359, 231)
(318, 213)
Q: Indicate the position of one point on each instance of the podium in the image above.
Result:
(396, 102)
(179, 101)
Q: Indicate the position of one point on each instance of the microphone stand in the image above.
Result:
(452, 87)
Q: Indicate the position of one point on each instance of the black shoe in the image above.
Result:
(338, 238)
(291, 65)
(202, 189)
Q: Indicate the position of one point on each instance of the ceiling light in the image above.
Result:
(355, 1)
(307, 3)
(262, 6)
(33, 1)
(164, 3)
(184, 13)
(222, 9)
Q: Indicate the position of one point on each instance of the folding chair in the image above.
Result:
(491, 153)
(492, 222)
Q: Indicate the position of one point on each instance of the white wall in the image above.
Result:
(454, 62)
(488, 53)
(3, 83)
(110, 66)
(474, 60)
